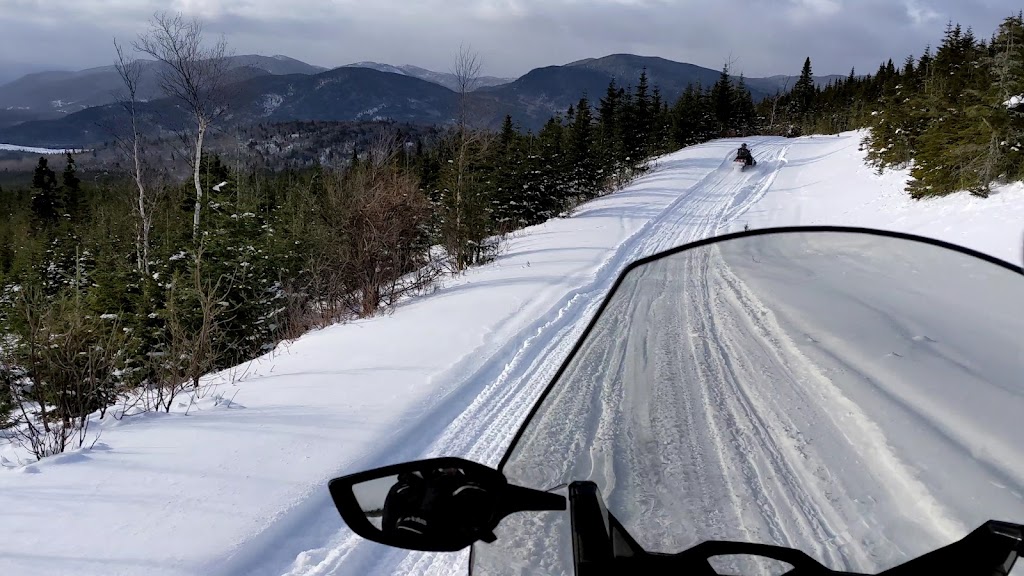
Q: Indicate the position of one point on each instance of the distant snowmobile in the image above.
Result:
(744, 158)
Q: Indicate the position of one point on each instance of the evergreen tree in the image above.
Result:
(659, 140)
(684, 117)
(508, 179)
(744, 112)
(953, 149)
(609, 120)
(46, 205)
(71, 190)
(582, 153)
(637, 119)
(62, 262)
(803, 92)
(552, 166)
(723, 100)
(505, 137)
(1007, 118)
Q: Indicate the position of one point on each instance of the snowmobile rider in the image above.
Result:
(744, 154)
(442, 504)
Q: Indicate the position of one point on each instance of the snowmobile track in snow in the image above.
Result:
(493, 396)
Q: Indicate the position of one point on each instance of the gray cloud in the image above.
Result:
(762, 37)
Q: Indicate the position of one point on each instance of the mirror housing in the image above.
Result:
(434, 505)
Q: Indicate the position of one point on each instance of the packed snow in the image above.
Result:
(234, 482)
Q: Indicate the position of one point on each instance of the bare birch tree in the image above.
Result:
(465, 207)
(192, 73)
(466, 70)
(130, 145)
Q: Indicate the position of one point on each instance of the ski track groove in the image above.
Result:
(485, 428)
(747, 410)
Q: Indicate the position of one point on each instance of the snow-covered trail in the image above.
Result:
(484, 430)
(240, 487)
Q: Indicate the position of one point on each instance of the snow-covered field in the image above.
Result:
(238, 488)
(32, 150)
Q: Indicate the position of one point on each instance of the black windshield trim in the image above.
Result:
(714, 239)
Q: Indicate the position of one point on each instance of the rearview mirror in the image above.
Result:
(435, 505)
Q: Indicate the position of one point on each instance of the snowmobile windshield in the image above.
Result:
(857, 396)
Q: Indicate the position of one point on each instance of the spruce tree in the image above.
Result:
(658, 141)
(505, 137)
(1004, 96)
(582, 154)
(46, 204)
(803, 91)
(545, 196)
(744, 112)
(507, 180)
(71, 190)
(723, 101)
(610, 134)
(684, 119)
(644, 114)
(637, 123)
(951, 150)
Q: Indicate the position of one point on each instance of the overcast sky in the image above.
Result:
(762, 37)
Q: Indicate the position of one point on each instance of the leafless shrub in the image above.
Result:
(371, 238)
(69, 364)
(194, 314)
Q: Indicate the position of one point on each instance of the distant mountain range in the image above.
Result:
(47, 95)
(62, 109)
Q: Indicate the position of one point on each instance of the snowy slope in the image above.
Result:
(825, 182)
(239, 487)
(32, 150)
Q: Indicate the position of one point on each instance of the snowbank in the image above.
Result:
(826, 182)
(30, 149)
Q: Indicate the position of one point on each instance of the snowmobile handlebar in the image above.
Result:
(985, 552)
(602, 546)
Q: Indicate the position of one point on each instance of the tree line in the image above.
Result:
(119, 296)
(954, 117)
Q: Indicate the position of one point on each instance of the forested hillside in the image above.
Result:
(954, 115)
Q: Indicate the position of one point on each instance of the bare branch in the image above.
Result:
(192, 73)
(131, 148)
(466, 69)
(385, 146)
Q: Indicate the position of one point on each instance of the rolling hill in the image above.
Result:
(58, 109)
